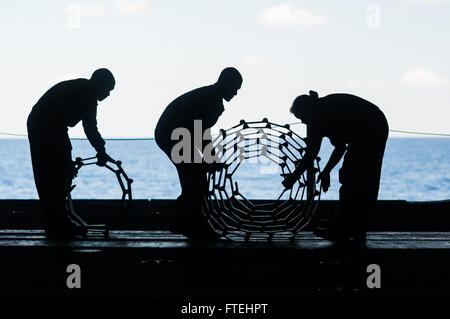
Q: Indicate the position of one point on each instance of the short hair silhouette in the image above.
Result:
(229, 76)
(103, 77)
(304, 104)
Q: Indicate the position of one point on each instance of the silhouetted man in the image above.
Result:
(63, 106)
(359, 129)
(204, 105)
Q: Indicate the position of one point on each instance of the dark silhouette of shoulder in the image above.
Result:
(66, 103)
(345, 117)
(348, 105)
(204, 104)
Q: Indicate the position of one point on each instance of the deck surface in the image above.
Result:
(158, 264)
(165, 239)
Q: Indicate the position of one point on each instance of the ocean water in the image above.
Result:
(414, 169)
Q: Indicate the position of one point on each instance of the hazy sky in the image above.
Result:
(393, 53)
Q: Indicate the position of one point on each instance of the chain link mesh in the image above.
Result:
(236, 217)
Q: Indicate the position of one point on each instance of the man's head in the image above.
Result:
(103, 82)
(229, 82)
(304, 105)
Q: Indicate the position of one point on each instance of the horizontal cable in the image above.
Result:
(11, 134)
(83, 138)
(404, 132)
(117, 139)
(152, 138)
(421, 133)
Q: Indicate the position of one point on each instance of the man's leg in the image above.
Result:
(51, 162)
(45, 173)
(188, 218)
(188, 214)
(373, 153)
(344, 224)
(179, 218)
(373, 175)
(360, 185)
(350, 194)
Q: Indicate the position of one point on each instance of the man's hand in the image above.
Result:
(289, 180)
(324, 177)
(103, 158)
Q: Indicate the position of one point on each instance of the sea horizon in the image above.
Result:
(414, 169)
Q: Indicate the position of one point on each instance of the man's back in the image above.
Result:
(65, 104)
(347, 117)
(200, 104)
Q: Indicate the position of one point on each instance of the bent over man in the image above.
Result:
(201, 107)
(63, 106)
(358, 129)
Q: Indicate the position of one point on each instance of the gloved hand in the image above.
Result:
(103, 158)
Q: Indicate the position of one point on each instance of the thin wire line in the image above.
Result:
(117, 139)
(399, 131)
(83, 138)
(420, 133)
(11, 134)
(152, 138)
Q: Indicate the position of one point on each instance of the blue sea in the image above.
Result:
(414, 169)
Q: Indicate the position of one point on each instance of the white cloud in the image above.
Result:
(130, 7)
(284, 15)
(252, 59)
(358, 84)
(423, 77)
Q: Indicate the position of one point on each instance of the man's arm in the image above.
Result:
(307, 161)
(324, 176)
(335, 157)
(210, 116)
(92, 133)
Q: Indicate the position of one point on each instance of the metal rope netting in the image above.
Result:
(235, 217)
(122, 178)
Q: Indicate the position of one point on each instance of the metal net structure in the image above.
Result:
(232, 215)
(125, 185)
